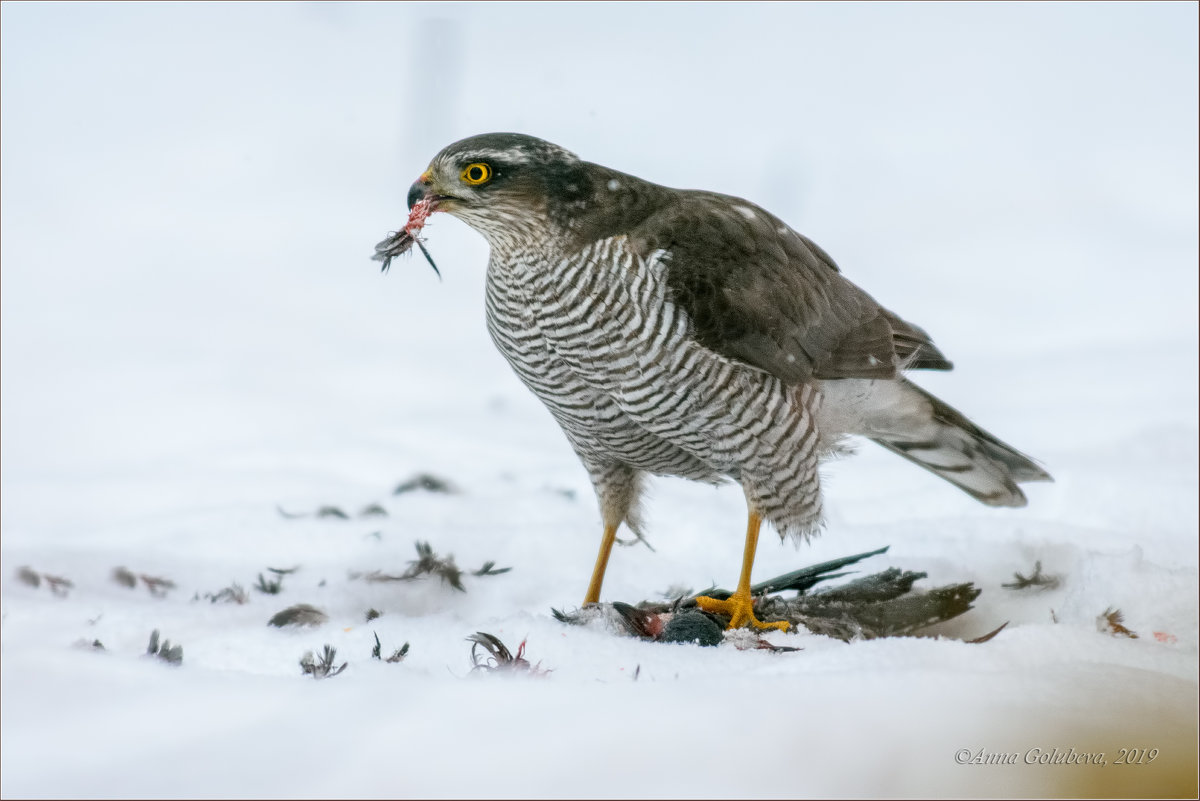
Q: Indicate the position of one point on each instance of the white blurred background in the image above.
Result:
(191, 329)
(191, 193)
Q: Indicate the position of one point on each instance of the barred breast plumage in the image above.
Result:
(687, 333)
(597, 338)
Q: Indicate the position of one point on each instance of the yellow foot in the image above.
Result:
(740, 608)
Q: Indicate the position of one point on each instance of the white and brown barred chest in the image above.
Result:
(596, 337)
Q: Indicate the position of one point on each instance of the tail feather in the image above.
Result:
(912, 423)
(1021, 467)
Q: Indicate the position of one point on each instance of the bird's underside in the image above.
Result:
(692, 334)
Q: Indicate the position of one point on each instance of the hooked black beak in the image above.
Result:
(417, 192)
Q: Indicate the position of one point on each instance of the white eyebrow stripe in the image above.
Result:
(512, 155)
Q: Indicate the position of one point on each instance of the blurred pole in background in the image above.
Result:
(430, 114)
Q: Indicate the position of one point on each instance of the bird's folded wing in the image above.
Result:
(757, 291)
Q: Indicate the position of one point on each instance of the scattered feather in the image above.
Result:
(171, 654)
(426, 482)
(332, 511)
(426, 563)
(676, 592)
(323, 668)
(397, 655)
(1037, 580)
(28, 575)
(124, 577)
(157, 585)
(322, 511)
(500, 659)
(984, 638)
(489, 569)
(299, 615)
(750, 640)
(637, 537)
(374, 510)
(1112, 621)
(372, 614)
(269, 586)
(58, 585)
(233, 594)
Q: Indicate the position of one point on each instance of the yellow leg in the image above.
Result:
(606, 544)
(740, 605)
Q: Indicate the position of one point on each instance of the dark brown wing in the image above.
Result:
(759, 292)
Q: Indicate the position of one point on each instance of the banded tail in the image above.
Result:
(910, 422)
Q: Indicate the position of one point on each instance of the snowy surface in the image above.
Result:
(193, 334)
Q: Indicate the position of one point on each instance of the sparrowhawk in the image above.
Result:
(689, 333)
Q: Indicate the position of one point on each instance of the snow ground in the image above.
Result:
(192, 333)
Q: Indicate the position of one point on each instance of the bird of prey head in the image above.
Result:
(500, 183)
(523, 192)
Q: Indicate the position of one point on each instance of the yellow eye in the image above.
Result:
(476, 174)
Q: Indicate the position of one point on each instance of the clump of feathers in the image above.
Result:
(429, 563)
(426, 482)
(299, 615)
(1112, 621)
(322, 668)
(171, 654)
(58, 585)
(397, 655)
(499, 659)
(157, 585)
(1036, 580)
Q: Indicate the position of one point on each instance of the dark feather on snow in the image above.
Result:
(322, 669)
(299, 615)
(1037, 579)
